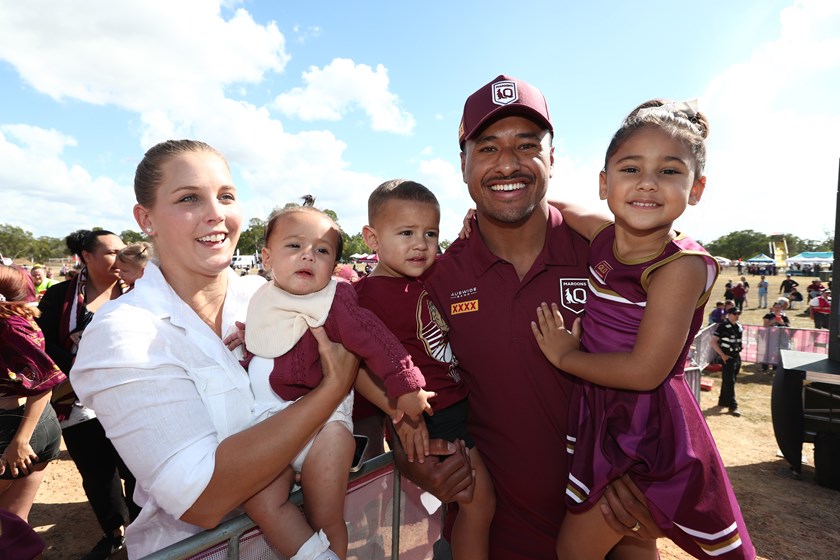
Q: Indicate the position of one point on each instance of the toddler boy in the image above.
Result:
(403, 222)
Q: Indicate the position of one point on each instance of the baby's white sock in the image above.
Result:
(317, 547)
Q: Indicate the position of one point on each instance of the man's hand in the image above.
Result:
(626, 510)
(446, 473)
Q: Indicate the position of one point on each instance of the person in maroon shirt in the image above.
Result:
(739, 295)
(488, 287)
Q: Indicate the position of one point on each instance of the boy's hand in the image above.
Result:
(466, 229)
(414, 437)
(551, 334)
(414, 405)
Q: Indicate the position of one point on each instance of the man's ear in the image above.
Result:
(371, 238)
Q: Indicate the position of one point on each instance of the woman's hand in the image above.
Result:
(551, 334)
(18, 458)
(339, 365)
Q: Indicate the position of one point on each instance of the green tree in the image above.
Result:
(353, 244)
(826, 244)
(15, 242)
(45, 248)
(130, 236)
(796, 245)
(742, 244)
(251, 240)
(331, 213)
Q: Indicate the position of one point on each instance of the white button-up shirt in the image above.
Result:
(167, 391)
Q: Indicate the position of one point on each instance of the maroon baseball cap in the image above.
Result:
(502, 97)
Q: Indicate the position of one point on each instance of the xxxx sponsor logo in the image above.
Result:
(463, 307)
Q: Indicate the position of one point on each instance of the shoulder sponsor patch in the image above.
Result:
(573, 292)
(601, 270)
(463, 307)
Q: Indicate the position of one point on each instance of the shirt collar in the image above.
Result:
(555, 253)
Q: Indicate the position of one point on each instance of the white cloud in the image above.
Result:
(773, 142)
(172, 64)
(50, 192)
(138, 55)
(341, 86)
(303, 34)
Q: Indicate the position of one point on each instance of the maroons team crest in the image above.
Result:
(573, 294)
(505, 92)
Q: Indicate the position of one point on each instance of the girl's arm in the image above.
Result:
(673, 294)
(19, 450)
(584, 221)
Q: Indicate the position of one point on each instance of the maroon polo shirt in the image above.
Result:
(518, 401)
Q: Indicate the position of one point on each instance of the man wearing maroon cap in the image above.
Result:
(520, 253)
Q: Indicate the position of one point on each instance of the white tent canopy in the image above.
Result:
(761, 258)
(364, 257)
(812, 258)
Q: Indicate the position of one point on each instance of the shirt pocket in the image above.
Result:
(228, 400)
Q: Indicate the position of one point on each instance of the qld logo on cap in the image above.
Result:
(505, 93)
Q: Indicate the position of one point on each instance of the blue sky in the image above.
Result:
(332, 98)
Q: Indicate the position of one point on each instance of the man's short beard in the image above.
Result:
(514, 215)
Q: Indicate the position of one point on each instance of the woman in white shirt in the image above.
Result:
(172, 397)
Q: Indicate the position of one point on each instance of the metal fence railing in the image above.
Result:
(763, 344)
(387, 516)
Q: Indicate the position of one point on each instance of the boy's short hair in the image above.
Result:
(718, 303)
(398, 189)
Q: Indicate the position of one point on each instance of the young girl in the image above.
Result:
(634, 412)
(29, 433)
(302, 245)
(132, 261)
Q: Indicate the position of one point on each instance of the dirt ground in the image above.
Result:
(787, 518)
